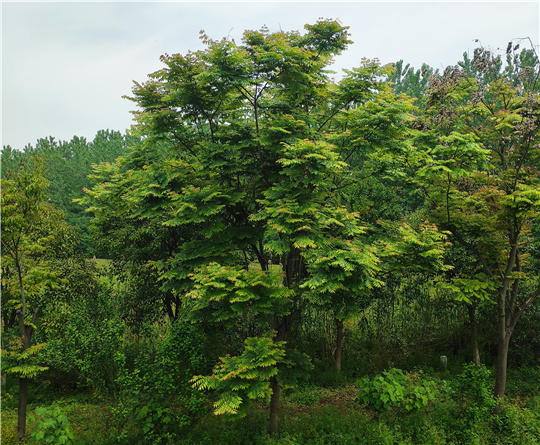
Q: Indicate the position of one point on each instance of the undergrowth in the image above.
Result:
(459, 413)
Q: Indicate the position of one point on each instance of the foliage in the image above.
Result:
(26, 272)
(154, 385)
(19, 361)
(82, 350)
(474, 384)
(234, 163)
(67, 165)
(475, 161)
(395, 389)
(230, 292)
(53, 426)
(414, 83)
(247, 377)
(323, 415)
(263, 213)
(27, 232)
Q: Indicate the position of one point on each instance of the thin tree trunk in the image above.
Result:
(274, 407)
(23, 382)
(504, 327)
(282, 328)
(339, 344)
(474, 335)
(23, 402)
(273, 420)
(500, 376)
(25, 336)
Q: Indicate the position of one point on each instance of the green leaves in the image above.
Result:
(408, 249)
(225, 293)
(475, 161)
(342, 267)
(395, 389)
(52, 427)
(20, 362)
(246, 377)
(250, 153)
(295, 209)
(327, 37)
(469, 290)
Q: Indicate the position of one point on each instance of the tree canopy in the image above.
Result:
(248, 151)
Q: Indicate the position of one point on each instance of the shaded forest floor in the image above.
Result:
(310, 414)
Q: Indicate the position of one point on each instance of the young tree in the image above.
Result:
(476, 161)
(25, 271)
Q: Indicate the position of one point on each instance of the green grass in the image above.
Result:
(102, 263)
(315, 414)
(90, 422)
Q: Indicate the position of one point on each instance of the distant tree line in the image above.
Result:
(67, 166)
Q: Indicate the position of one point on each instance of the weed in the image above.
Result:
(395, 389)
(52, 426)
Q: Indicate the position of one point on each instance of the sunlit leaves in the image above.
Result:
(469, 290)
(225, 293)
(342, 267)
(19, 362)
(245, 377)
(410, 249)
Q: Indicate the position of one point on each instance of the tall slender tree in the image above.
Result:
(476, 160)
(26, 234)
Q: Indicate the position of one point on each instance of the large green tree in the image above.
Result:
(233, 155)
(239, 159)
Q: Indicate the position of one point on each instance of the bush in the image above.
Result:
(81, 349)
(155, 393)
(52, 427)
(395, 389)
(474, 388)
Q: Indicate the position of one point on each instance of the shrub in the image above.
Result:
(474, 387)
(395, 389)
(155, 393)
(52, 427)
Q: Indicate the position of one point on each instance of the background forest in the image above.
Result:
(274, 256)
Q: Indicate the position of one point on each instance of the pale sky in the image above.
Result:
(66, 65)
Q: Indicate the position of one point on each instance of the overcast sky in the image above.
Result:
(66, 66)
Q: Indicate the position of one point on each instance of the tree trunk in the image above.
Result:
(282, 328)
(26, 335)
(502, 360)
(339, 344)
(274, 407)
(21, 413)
(474, 335)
